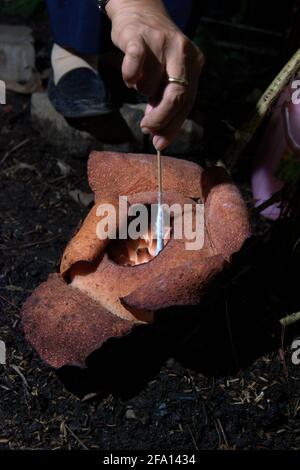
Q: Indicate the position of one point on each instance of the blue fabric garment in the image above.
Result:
(80, 25)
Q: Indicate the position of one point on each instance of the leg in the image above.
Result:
(76, 89)
(76, 24)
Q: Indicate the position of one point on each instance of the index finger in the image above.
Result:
(133, 63)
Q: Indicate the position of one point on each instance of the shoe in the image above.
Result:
(80, 93)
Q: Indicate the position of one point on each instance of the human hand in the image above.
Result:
(155, 49)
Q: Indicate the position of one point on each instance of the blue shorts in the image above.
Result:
(80, 25)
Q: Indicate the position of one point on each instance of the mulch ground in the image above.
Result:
(256, 407)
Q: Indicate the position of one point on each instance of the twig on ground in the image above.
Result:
(223, 432)
(17, 370)
(76, 437)
(193, 438)
(13, 149)
(9, 302)
(30, 244)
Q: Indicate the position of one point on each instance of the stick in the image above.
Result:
(76, 437)
(16, 147)
(276, 197)
(25, 383)
(290, 319)
(159, 220)
(159, 176)
(247, 131)
(9, 302)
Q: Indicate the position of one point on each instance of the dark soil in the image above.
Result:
(180, 409)
(232, 385)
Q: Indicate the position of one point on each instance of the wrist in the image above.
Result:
(113, 7)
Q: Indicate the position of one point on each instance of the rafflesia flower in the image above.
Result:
(105, 288)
